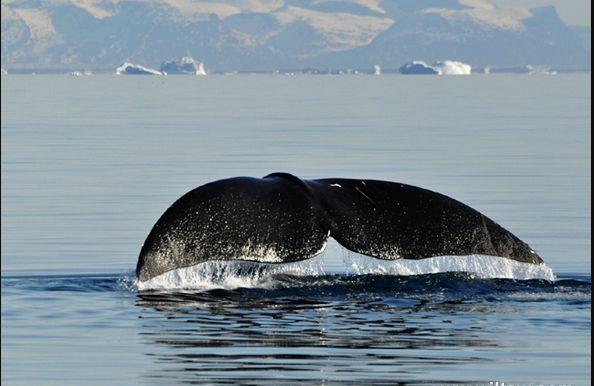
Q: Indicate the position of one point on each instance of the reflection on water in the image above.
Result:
(302, 339)
(365, 328)
(325, 329)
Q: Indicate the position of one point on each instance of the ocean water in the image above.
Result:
(90, 163)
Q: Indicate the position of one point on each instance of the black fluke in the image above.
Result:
(281, 218)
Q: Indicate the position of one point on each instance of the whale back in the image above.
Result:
(281, 218)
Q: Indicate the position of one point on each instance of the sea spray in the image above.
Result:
(232, 274)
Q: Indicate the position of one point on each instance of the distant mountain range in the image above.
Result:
(263, 35)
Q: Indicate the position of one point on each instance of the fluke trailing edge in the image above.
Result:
(281, 218)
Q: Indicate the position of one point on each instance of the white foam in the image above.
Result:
(337, 259)
(226, 274)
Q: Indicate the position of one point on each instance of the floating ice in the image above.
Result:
(183, 66)
(3, 71)
(451, 67)
(539, 70)
(418, 67)
(135, 69)
(79, 73)
(446, 67)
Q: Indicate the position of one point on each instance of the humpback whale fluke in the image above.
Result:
(281, 218)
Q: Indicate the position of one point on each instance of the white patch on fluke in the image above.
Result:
(231, 274)
(484, 267)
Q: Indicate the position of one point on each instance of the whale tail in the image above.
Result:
(281, 218)
(388, 220)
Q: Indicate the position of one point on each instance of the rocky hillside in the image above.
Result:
(252, 35)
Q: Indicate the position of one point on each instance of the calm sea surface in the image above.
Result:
(90, 163)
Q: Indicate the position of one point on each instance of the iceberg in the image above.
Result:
(377, 70)
(80, 73)
(183, 66)
(446, 67)
(539, 70)
(418, 67)
(451, 67)
(3, 71)
(135, 69)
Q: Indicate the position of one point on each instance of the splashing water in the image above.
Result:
(248, 274)
(230, 275)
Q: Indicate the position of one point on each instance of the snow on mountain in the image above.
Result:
(245, 35)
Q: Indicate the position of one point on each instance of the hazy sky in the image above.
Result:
(573, 12)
